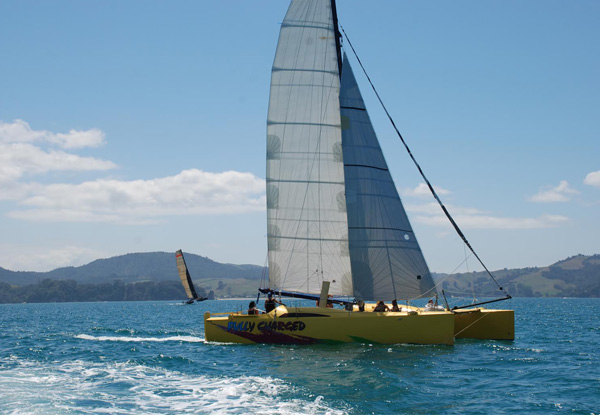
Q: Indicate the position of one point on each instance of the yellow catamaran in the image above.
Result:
(337, 230)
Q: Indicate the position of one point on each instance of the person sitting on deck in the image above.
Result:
(252, 310)
(361, 305)
(381, 307)
(270, 303)
(395, 305)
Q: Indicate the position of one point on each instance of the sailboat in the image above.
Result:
(186, 279)
(337, 230)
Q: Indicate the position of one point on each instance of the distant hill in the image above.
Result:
(130, 268)
(153, 276)
(131, 277)
(577, 276)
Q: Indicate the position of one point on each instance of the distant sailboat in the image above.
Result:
(186, 279)
(337, 230)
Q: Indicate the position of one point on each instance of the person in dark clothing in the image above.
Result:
(270, 303)
(252, 310)
(381, 307)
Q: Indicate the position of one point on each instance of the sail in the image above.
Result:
(306, 206)
(185, 277)
(386, 259)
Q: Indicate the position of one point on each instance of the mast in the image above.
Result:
(338, 37)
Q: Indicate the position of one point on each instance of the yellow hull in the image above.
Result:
(479, 323)
(311, 325)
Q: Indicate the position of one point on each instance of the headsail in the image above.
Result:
(185, 277)
(386, 259)
(306, 205)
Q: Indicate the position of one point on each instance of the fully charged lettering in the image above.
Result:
(281, 326)
(266, 326)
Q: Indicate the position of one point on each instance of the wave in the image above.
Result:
(130, 388)
(188, 339)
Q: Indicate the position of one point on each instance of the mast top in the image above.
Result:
(338, 37)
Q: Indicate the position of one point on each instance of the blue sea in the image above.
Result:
(151, 358)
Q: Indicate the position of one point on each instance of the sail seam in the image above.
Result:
(303, 123)
(302, 181)
(376, 227)
(365, 165)
(278, 69)
(305, 26)
(298, 238)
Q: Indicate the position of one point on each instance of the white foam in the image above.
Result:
(188, 339)
(129, 388)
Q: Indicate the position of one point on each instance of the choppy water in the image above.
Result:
(151, 358)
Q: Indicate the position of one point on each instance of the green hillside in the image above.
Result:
(577, 276)
(153, 276)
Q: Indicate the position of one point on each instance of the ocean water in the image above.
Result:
(151, 358)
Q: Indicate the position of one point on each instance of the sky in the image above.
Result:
(140, 126)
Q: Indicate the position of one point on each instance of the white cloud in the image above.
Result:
(560, 193)
(492, 222)
(19, 131)
(191, 192)
(434, 208)
(422, 190)
(470, 218)
(27, 152)
(593, 179)
(24, 152)
(16, 257)
(18, 159)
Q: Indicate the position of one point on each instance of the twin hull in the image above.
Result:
(312, 325)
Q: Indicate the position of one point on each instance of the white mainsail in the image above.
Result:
(333, 211)
(306, 212)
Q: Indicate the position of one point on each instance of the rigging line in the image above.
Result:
(482, 316)
(454, 224)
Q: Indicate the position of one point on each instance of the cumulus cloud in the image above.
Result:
(469, 218)
(191, 192)
(422, 191)
(593, 179)
(28, 153)
(18, 159)
(24, 151)
(18, 257)
(560, 193)
(19, 131)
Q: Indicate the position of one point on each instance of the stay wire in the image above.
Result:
(454, 224)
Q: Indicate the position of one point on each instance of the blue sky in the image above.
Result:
(138, 126)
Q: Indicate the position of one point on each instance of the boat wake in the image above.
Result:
(185, 339)
(130, 388)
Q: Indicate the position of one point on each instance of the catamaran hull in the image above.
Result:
(331, 326)
(480, 323)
